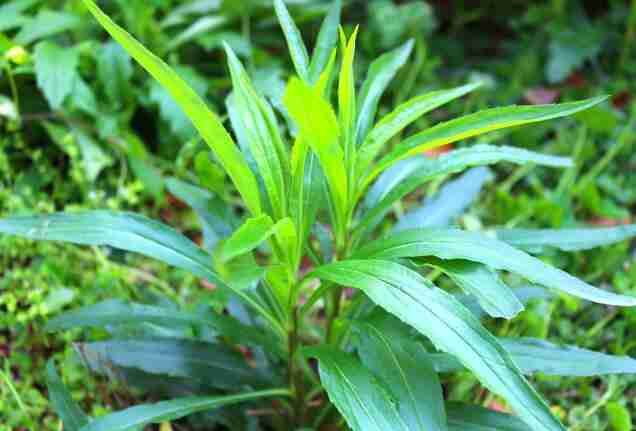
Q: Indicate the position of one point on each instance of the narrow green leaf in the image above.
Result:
(458, 244)
(326, 42)
(212, 364)
(392, 356)
(263, 136)
(466, 417)
(364, 401)
(295, 43)
(403, 116)
(477, 124)
(448, 324)
(380, 74)
(252, 233)
(406, 176)
(494, 296)
(347, 97)
(145, 414)
(536, 240)
(204, 120)
(448, 203)
(319, 127)
(117, 312)
(70, 413)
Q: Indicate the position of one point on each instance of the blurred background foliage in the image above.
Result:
(82, 127)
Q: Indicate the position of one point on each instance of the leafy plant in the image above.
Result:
(380, 351)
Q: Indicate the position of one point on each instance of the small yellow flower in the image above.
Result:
(17, 55)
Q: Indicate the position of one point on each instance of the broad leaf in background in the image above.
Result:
(206, 122)
(70, 413)
(392, 356)
(448, 203)
(448, 324)
(46, 23)
(537, 240)
(458, 244)
(165, 411)
(365, 402)
(114, 70)
(56, 71)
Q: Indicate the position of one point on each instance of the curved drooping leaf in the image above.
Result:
(466, 417)
(381, 73)
(409, 174)
(524, 295)
(326, 41)
(145, 414)
(539, 356)
(364, 401)
(494, 296)
(70, 413)
(536, 240)
(204, 120)
(448, 324)
(297, 48)
(117, 312)
(212, 364)
(122, 230)
(448, 203)
(263, 136)
(403, 116)
(404, 368)
(476, 247)
(477, 124)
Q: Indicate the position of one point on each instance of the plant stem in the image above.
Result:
(295, 373)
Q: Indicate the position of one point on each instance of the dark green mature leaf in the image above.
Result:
(409, 174)
(297, 47)
(262, 134)
(448, 324)
(205, 121)
(476, 247)
(477, 124)
(213, 364)
(448, 203)
(539, 356)
(536, 240)
(494, 296)
(326, 42)
(70, 413)
(401, 117)
(466, 417)
(380, 74)
(114, 70)
(403, 367)
(123, 230)
(139, 416)
(55, 70)
(364, 401)
(117, 312)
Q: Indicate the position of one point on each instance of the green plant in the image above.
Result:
(323, 197)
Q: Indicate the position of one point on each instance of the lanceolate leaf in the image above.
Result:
(297, 48)
(212, 364)
(401, 117)
(448, 324)
(263, 136)
(535, 240)
(123, 230)
(364, 401)
(117, 312)
(381, 73)
(409, 375)
(139, 416)
(205, 121)
(477, 124)
(250, 235)
(70, 413)
(466, 417)
(326, 42)
(409, 174)
(494, 296)
(458, 244)
(347, 100)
